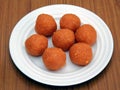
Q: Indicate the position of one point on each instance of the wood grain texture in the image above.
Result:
(12, 11)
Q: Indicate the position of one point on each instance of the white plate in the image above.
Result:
(71, 74)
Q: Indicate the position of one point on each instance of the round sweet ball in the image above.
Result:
(70, 21)
(81, 54)
(45, 25)
(36, 44)
(86, 33)
(63, 38)
(54, 58)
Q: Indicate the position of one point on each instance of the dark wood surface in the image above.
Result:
(11, 11)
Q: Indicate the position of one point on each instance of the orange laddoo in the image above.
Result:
(70, 21)
(81, 54)
(63, 38)
(45, 25)
(36, 44)
(86, 33)
(54, 58)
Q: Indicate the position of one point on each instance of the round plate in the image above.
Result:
(71, 74)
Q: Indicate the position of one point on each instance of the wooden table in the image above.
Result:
(11, 11)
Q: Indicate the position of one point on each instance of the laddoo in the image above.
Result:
(54, 58)
(63, 38)
(45, 25)
(70, 21)
(86, 33)
(36, 44)
(81, 54)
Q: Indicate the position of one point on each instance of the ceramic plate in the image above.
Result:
(71, 74)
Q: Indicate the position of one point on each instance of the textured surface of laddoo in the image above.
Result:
(45, 25)
(86, 33)
(70, 21)
(63, 38)
(36, 44)
(54, 58)
(81, 54)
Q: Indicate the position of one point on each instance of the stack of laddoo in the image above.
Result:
(72, 37)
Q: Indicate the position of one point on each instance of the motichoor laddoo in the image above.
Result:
(81, 54)
(86, 33)
(70, 21)
(63, 38)
(54, 58)
(36, 44)
(45, 25)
